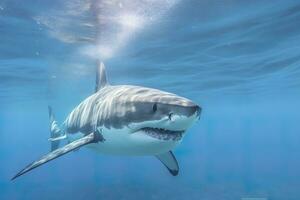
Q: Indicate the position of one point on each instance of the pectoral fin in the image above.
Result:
(91, 138)
(169, 160)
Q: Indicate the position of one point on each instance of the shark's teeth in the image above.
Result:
(163, 134)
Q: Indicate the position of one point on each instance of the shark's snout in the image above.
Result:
(197, 110)
(190, 110)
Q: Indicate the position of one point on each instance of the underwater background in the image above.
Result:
(239, 60)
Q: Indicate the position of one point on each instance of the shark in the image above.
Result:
(122, 120)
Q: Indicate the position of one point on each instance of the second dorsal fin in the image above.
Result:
(101, 80)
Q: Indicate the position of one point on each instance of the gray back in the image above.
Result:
(118, 106)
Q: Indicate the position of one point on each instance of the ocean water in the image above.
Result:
(239, 60)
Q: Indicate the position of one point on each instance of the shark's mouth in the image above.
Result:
(163, 134)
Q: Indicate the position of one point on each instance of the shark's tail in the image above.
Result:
(56, 134)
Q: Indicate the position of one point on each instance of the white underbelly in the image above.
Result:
(123, 142)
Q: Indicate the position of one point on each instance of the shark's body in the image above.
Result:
(124, 120)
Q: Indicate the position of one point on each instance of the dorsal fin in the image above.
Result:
(101, 80)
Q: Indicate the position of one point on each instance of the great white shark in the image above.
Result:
(123, 120)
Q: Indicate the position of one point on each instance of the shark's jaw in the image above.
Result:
(164, 130)
(162, 134)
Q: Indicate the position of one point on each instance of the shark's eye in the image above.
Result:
(154, 108)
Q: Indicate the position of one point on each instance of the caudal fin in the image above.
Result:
(56, 134)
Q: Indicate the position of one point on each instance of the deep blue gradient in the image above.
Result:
(240, 60)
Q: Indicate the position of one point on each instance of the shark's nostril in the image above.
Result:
(170, 116)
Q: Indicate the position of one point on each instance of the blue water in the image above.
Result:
(240, 60)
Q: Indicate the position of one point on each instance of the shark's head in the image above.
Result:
(161, 115)
(152, 116)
